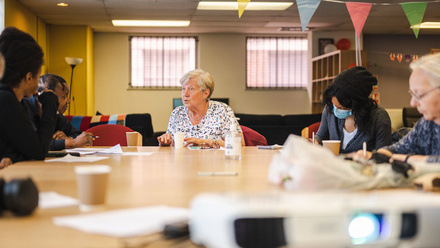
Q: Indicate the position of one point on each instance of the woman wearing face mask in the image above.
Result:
(351, 116)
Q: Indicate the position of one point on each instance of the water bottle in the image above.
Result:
(233, 142)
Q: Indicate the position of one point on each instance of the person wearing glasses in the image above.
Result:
(422, 143)
(351, 116)
(204, 122)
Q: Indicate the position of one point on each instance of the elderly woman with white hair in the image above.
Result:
(422, 143)
(203, 121)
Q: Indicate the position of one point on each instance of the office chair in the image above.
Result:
(109, 134)
(252, 137)
(307, 131)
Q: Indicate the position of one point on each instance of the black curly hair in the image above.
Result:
(22, 55)
(352, 88)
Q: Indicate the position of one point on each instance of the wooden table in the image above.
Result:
(168, 176)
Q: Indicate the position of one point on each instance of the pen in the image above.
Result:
(313, 138)
(364, 148)
(220, 173)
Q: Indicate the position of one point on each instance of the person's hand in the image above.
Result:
(165, 139)
(59, 135)
(196, 141)
(82, 140)
(5, 163)
(359, 155)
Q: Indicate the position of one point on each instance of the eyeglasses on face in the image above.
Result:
(420, 96)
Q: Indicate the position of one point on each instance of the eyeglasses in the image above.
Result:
(419, 97)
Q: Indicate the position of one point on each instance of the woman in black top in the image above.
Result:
(18, 138)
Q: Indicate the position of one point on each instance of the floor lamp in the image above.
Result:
(72, 62)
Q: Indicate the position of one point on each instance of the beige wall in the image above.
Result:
(223, 55)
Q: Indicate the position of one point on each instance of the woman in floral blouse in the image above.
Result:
(203, 121)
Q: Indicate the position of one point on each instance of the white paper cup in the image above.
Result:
(333, 145)
(92, 185)
(178, 140)
(134, 139)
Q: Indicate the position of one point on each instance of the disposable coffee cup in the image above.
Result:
(178, 140)
(92, 186)
(134, 139)
(333, 145)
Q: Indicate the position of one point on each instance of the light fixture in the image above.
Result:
(150, 23)
(427, 25)
(62, 4)
(207, 5)
(72, 62)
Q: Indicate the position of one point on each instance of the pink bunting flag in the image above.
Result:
(358, 13)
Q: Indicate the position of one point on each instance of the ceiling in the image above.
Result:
(386, 16)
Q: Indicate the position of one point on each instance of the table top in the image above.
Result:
(167, 177)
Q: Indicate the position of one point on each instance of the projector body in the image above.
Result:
(312, 220)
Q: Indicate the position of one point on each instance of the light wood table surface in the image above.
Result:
(167, 177)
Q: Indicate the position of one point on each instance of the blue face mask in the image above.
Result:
(340, 113)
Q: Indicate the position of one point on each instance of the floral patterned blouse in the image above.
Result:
(214, 125)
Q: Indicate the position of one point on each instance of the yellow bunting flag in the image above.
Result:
(242, 4)
(414, 12)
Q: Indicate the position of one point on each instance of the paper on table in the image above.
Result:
(69, 158)
(52, 199)
(87, 151)
(125, 223)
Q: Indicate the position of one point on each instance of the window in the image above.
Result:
(277, 62)
(160, 62)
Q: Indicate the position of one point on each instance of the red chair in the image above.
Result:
(109, 134)
(307, 131)
(252, 137)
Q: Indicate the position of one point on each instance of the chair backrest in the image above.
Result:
(252, 137)
(110, 134)
(410, 116)
(308, 131)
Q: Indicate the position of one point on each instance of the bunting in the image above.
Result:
(306, 10)
(414, 12)
(400, 57)
(358, 13)
(242, 4)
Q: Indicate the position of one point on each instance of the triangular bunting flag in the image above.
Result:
(306, 9)
(242, 4)
(358, 13)
(415, 57)
(399, 57)
(414, 12)
(392, 56)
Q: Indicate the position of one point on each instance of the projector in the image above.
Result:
(229, 220)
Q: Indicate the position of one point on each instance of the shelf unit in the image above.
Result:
(325, 68)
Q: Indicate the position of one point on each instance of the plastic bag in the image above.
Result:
(302, 165)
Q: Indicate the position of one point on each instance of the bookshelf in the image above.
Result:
(325, 68)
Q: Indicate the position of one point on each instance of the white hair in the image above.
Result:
(204, 80)
(430, 64)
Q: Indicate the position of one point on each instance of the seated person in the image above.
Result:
(203, 121)
(351, 116)
(66, 135)
(19, 140)
(422, 143)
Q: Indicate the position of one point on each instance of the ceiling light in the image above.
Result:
(250, 6)
(62, 4)
(427, 25)
(150, 23)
